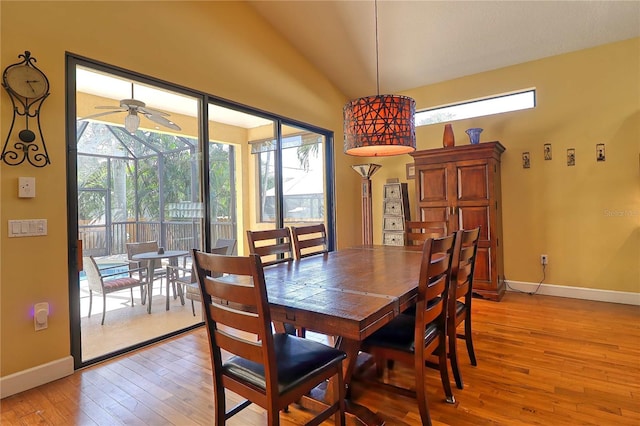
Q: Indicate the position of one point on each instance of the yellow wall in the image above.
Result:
(225, 49)
(222, 48)
(586, 217)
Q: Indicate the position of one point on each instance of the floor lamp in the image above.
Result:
(366, 171)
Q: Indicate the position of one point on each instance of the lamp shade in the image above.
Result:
(379, 125)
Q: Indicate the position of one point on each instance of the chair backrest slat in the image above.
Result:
(240, 347)
(418, 232)
(309, 240)
(273, 244)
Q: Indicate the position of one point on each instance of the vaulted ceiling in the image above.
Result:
(424, 42)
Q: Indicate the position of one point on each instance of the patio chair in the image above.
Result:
(189, 281)
(105, 283)
(145, 247)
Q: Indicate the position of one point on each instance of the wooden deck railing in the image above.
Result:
(100, 240)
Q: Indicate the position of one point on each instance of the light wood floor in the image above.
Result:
(541, 361)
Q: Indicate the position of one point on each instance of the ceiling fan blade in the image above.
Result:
(108, 107)
(163, 121)
(147, 110)
(101, 114)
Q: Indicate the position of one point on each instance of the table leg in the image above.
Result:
(150, 271)
(320, 396)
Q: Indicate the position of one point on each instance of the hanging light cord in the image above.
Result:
(377, 60)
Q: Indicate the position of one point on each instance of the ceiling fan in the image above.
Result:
(133, 107)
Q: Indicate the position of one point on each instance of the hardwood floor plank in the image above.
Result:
(541, 361)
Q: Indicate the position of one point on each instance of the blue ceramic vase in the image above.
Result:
(474, 135)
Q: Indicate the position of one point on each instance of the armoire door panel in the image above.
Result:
(472, 217)
(473, 182)
(433, 184)
(433, 214)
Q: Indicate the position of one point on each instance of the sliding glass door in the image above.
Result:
(138, 180)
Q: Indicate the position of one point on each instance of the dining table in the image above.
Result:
(349, 294)
(149, 258)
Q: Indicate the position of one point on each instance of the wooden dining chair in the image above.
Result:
(272, 370)
(309, 240)
(411, 340)
(460, 297)
(105, 283)
(274, 246)
(418, 232)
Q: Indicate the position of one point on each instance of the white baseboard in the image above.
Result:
(36, 376)
(611, 296)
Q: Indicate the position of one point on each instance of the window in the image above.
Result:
(477, 108)
(303, 176)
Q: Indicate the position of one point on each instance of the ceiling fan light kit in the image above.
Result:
(381, 125)
(131, 122)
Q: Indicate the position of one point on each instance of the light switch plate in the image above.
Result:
(26, 187)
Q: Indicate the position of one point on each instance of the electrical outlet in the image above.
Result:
(544, 259)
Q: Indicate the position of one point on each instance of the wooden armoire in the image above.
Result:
(461, 186)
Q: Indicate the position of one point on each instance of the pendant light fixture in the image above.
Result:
(380, 125)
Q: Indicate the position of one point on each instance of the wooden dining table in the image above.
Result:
(349, 293)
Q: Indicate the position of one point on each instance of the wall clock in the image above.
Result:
(27, 87)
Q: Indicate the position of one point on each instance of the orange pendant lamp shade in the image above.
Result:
(378, 126)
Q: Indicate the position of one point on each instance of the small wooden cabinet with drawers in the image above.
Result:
(461, 186)
(395, 212)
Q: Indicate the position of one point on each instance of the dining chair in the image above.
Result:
(274, 246)
(309, 240)
(411, 340)
(418, 232)
(145, 247)
(460, 297)
(270, 370)
(188, 280)
(106, 283)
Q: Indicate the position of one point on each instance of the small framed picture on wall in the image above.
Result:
(411, 171)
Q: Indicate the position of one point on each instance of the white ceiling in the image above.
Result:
(425, 42)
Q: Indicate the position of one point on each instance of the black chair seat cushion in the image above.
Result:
(399, 333)
(296, 359)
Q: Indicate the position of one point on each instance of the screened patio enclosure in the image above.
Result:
(145, 187)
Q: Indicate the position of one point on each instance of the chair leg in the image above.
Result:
(131, 296)
(104, 307)
(453, 357)
(273, 418)
(90, 302)
(219, 404)
(339, 391)
(193, 308)
(469, 340)
(444, 370)
(421, 395)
